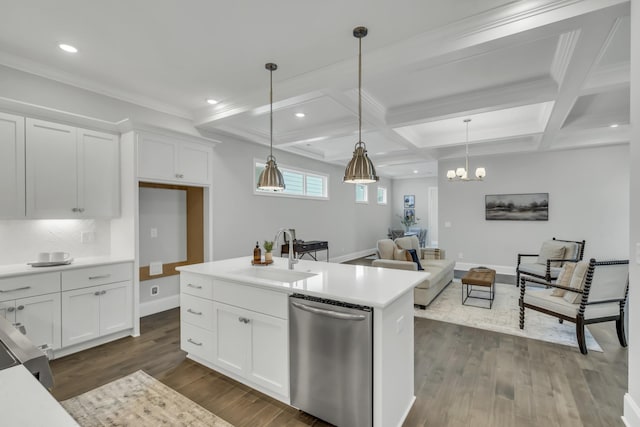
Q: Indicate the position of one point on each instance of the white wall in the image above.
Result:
(21, 240)
(588, 199)
(632, 399)
(240, 218)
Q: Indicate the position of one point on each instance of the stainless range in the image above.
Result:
(16, 349)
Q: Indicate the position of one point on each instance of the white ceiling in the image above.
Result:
(532, 74)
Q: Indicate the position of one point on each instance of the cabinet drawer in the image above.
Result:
(98, 275)
(197, 341)
(264, 301)
(197, 311)
(197, 285)
(29, 285)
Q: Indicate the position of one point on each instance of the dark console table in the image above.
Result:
(302, 248)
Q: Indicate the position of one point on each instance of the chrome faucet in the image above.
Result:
(292, 259)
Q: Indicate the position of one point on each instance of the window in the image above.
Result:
(362, 193)
(382, 196)
(297, 183)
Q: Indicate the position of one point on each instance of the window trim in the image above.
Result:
(380, 187)
(366, 194)
(305, 173)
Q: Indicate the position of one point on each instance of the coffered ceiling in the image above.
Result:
(532, 75)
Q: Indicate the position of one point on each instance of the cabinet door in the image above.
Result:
(12, 187)
(80, 315)
(98, 174)
(268, 363)
(116, 307)
(156, 158)
(232, 338)
(193, 163)
(51, 173)
(40, 316)
(8, 310)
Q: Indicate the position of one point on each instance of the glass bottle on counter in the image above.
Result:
(257, 254)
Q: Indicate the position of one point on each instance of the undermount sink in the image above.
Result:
(278, 275)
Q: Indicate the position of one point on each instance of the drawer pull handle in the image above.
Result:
(244, 320)
(11, 309)
(199, 313)
(15, 290)
(96, 293)
(194, 286)
(103, 292)
(21, 307)
(104, 276)
(194, 342)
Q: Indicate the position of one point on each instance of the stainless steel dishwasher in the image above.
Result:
(331, 352)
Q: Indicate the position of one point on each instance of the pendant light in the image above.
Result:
(270, 178)
(460, 174)
(360, 169)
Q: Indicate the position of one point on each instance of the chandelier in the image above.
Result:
(360, 169)
(460, 174)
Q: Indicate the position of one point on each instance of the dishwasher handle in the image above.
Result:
(329, 313)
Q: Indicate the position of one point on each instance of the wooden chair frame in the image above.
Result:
(547, 277)
(579, 320)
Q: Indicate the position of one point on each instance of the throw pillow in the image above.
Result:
(415, 258)
(577, 281)
(551, 250)
(564, 279)
(400, 255)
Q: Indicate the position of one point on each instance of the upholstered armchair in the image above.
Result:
(549, 261)
(592, 292)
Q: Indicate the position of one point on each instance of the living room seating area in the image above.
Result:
(396, 254)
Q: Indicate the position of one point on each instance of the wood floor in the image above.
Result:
(463, 377)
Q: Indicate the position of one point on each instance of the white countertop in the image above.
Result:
(25, 402)
(357, 284)
(9, 270)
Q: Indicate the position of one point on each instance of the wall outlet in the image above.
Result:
(154, 233)
(87, 236)
(155, 289)
(460, 255)
(447, 224)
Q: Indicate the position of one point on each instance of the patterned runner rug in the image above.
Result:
(503, 317)
(138, 400)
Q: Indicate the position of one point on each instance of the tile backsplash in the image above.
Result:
(22, 240)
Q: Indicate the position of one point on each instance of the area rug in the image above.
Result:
(503, 317)
(138, 400)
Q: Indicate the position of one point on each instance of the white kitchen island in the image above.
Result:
(235, 320)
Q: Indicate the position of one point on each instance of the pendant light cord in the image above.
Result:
(271, 114)
(360, 90)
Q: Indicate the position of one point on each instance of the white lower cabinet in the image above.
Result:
(92, 312)
(254, 346)
(40, 315)
(251, 346)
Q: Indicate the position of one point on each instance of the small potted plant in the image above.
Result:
(268, 247)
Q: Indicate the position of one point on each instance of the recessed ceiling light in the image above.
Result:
(212, 101)
(68, 48)
(614, 125)
(415, 171)
(300, 115)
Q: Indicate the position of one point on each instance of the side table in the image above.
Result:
(480, 276)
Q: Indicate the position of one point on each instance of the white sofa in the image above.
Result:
(391, 254)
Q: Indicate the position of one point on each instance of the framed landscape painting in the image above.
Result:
(517, 207)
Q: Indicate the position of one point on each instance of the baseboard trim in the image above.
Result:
(500, 269)
(162, 304)
(631, 417)
(353, 255)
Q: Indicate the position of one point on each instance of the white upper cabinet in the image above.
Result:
(167, 160)
(70, 172)
(98, 174)
(12, 187)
